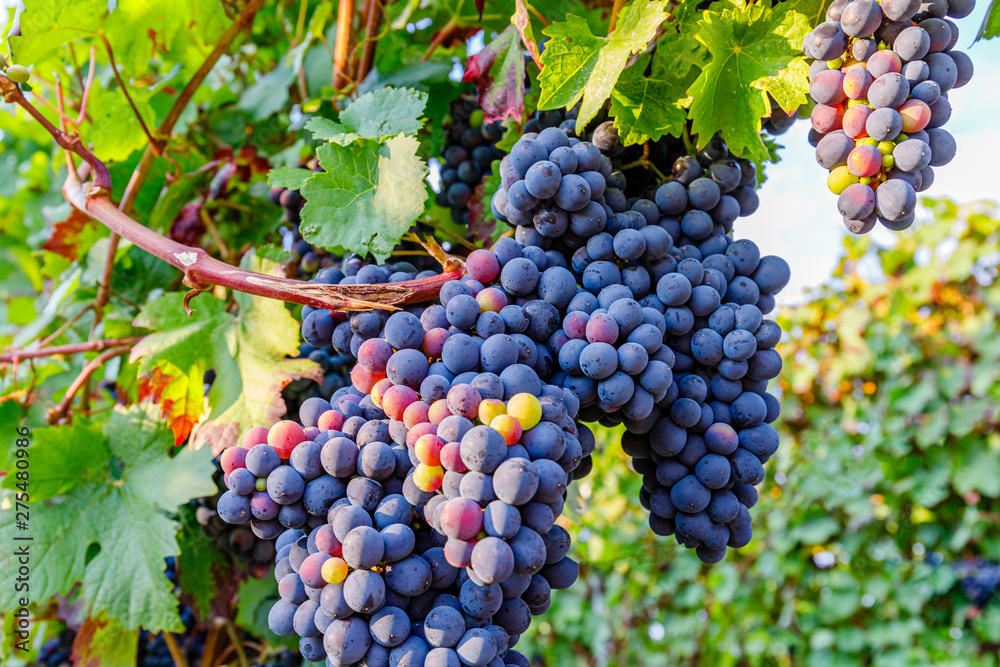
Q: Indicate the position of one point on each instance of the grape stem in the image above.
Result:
(342, 47)
(175, 651)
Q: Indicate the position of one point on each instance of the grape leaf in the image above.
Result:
(386, 112)
(325, 129)
(48, 24)
(248, 351)
(647, 107)
(57, 466)
(498, 72)
(288, 177)
(577, 64)
(368, 196)
(121, 512)
(753, 49)
(69, 235)
(268, 95)
(115, 132)
(103, 642)
(180, 396)
(991, 23)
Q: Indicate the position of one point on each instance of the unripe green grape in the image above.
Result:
(476, 118)
(18, 73)
(839, 179)
(3, 62)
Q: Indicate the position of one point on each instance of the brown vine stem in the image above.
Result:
(342, 48)
(439, 38)
(71, 348)
(58, 413)
(615, 9)
(175, 651)
(371, 14)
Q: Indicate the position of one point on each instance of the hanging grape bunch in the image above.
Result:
(467, 157)
(666, 334)
(880, 82)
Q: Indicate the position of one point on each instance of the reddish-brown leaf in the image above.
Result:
(101, 642)
(66, 233)
(181, 397)
(498, 72)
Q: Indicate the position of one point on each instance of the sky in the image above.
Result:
(798, 217)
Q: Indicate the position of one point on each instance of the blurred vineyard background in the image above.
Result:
(879, 520)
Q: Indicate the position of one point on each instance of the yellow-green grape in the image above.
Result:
(886, 147)
(18, 73)
(867, 180)
(3, 62)
(840, 179)
(835, 64)
(476, 118)
(900, 138)
(855, 103)
(867, 141)
(888, 161)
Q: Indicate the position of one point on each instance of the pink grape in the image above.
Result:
(482, 265)
(826, 119)
(916, 115)
(883, 62)
(374, 354)
(434, 342)
(397, 399)
(855, 119)
(461, 518)
(865, 161)
(602, 328)
(857, 82)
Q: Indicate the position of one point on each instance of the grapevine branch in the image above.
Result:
(200, 269)
(72, 348)
(58, 413)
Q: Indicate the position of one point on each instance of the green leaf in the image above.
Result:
(115, 131)
(753, 49)
(991, 22)
(979, 472)
(647, 107)
(48, 24)
(578, 64)
(248, 351)
(325, 129)
(61, 463)
(268, 95)
(288, 177)
(367, 198)
(386, 113)
(121, 512)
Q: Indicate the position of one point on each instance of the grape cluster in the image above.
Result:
(363, 578)
(657, 321)
(239, 542)
(880, 81)
(467, 157)
(979, 579)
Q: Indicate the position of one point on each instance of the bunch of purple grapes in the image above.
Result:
(880, 80)
(467, 157)
(362, 575)
(662, 323)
